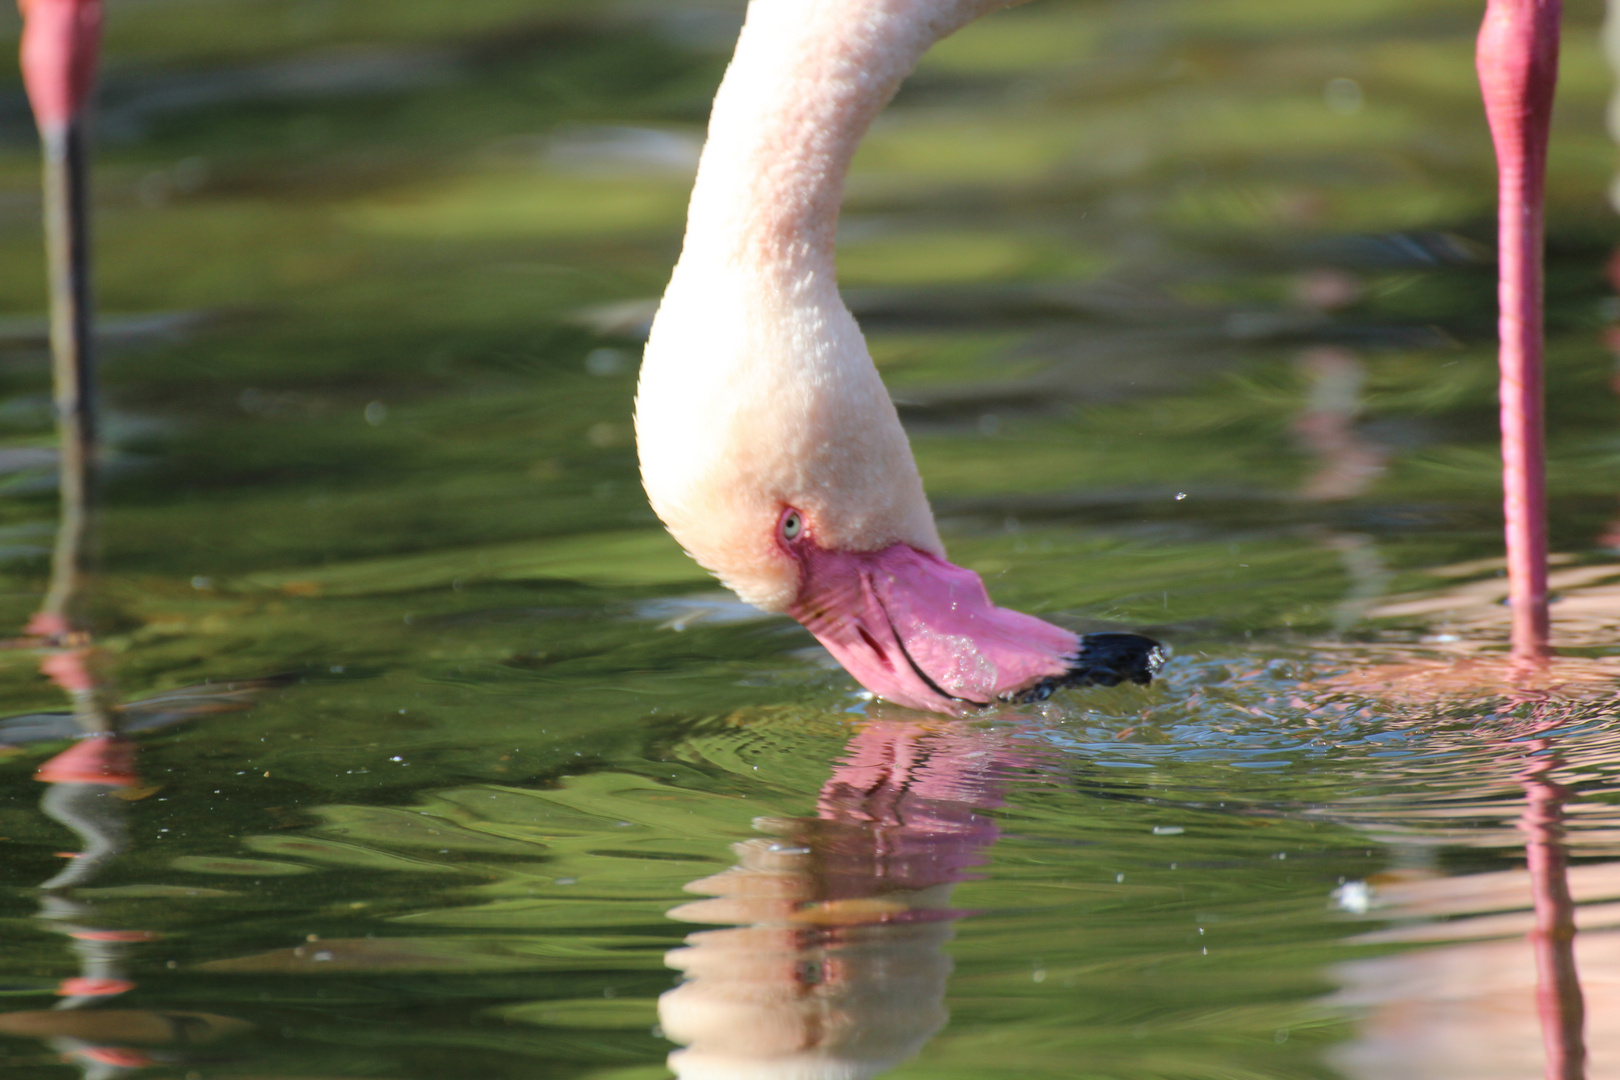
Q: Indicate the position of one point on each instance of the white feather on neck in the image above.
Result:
(757, 390)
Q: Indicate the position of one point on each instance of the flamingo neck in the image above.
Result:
(757, 391)
(806, 82)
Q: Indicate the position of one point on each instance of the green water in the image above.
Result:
(1188, 305)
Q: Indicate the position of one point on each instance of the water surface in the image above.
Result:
(1188, 307)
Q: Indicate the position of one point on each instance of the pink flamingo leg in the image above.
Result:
(1518, 70)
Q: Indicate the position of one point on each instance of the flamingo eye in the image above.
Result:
(792, 525)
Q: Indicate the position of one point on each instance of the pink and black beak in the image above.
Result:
(922, 632)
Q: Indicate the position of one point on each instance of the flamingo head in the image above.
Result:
(792, 481)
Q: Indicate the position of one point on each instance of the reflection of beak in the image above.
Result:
(923, 633)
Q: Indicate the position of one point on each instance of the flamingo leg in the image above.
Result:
(59, 46)
(1518, 71)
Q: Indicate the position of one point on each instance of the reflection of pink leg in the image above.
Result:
(1610, 536)
(1558, 987)
(1518, 67)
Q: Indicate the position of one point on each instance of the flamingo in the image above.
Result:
(768, 445)
(771, 451)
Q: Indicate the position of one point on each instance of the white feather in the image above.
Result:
(757, 391)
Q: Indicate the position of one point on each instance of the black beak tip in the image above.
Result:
(1110, 659)
(1103, 660)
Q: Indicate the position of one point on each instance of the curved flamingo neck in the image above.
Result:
(806, 82)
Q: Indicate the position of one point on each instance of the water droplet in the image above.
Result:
(1354, 897)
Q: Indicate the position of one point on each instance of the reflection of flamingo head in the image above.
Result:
(837, 970)
(768, 444)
